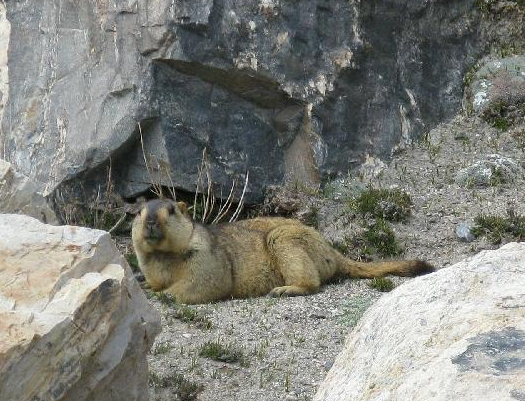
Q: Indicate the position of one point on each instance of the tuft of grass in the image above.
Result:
(501, 123)
(131, 258)
(163, 298)
(162, 348)
(218, 351)
(312, 217)
(184, 389)
(382, 239)
(355, 248)
(188, 315)
(391, 205)
(497, 116)
(181, 312)
(495, 227)
(382, 284)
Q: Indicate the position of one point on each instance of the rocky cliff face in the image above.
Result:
(285, 89)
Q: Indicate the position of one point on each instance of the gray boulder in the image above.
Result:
(457, 334)
(492, 170)
(285, 89)
(75, 324)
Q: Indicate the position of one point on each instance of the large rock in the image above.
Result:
(498, 84)
(457, 334)
(18, 194)
(75, 325)
(286, 89)
(493, 169)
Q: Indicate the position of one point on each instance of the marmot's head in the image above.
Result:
(162, 225)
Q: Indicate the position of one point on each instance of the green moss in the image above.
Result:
(382, 284)
(382, 239)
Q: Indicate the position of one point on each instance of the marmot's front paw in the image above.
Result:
(286, 291)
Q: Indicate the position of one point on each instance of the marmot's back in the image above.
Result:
(265, 224)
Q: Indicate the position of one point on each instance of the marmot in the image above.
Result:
(248, 258)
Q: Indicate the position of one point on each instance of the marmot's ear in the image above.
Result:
(182, 207)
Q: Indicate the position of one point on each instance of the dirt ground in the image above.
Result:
(281, 349)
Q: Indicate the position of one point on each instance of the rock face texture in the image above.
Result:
(18, 194)
(287, 90)
(457, 334)
(75, 325)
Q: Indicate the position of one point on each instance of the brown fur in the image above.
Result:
(248, 258)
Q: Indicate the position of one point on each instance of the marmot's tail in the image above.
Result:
(408, 268)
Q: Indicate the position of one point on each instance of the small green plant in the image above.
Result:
(355, 248)
(381, 237)
(497, 177)
(131, 258)
(178, 384)
(501, 123)
(181, 312)
(497, 116)
(495, 227)
(392, 205)
(163, 298)
(162, 348)
(312, 217)
(382, 284)
(218, 351)
(188, 315)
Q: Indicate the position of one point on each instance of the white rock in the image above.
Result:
(18, 194)
(74, 324)
(457, 334)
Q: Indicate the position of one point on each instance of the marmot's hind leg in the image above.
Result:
(286, 247)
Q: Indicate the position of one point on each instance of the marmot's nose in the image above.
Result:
(152, 230)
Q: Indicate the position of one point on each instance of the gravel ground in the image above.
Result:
(289, 344)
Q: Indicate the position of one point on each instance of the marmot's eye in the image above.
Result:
(171, 209)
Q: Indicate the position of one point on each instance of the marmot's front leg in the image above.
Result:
(153, 284)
